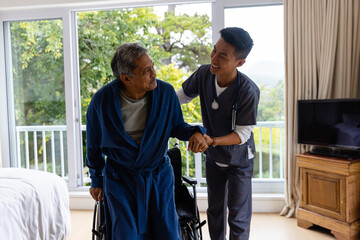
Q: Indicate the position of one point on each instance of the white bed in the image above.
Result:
(33, 205)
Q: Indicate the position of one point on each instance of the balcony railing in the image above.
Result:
(44, 148)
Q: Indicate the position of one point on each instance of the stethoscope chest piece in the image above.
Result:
(215, 105)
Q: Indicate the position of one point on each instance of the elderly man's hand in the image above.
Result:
(96, 193)
(197, 143)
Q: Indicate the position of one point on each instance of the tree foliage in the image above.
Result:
(38, 72)
(186, 38)
(271, 107)
(175, 76)
(38, 63)
(101, 32)
(178, 44)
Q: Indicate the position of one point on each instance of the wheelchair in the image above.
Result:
(185, 201)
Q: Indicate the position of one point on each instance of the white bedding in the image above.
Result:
(33, 205)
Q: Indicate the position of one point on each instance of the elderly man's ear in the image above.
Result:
(125, 79)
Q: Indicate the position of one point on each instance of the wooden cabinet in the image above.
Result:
(330, 195)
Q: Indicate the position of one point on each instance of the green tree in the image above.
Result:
(175, 77)
(38, 72)
(175, 31)
(101, 32)
(38, 80)
(38, 66)
(271, 107)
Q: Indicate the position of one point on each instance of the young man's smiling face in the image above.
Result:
(223, 59)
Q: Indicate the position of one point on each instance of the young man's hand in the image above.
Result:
(209, 140)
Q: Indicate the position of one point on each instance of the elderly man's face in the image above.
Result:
(145, 75)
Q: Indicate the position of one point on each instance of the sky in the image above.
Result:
(265, 24)
(268, 39)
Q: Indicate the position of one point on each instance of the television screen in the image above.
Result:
(330, 123)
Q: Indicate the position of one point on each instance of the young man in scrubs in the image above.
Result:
(128, 125)
(229, 102)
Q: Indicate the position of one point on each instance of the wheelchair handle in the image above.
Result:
(189, 180)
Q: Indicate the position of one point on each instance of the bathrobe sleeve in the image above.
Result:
(183, 130)
(94, 159)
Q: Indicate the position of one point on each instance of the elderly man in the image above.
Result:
(129, 123)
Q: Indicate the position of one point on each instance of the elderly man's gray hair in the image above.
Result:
(124, 58)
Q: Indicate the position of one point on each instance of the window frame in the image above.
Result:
(7, 125)
(274, 186)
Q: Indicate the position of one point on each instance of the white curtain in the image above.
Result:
(322, 61)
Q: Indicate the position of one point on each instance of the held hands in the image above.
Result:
(96, 193)
(199, 142)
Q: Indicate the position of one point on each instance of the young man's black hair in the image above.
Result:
(240, 39)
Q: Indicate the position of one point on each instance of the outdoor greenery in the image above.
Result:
(101, 32)
(178, 44)
(38, 72)
(271, 107)
(264, 144)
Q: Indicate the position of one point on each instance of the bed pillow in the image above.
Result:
(352, 118)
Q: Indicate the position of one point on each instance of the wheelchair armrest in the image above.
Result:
(189, 180)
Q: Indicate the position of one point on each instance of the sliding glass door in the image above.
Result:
(36, 94)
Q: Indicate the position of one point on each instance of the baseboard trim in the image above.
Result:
(267, 202)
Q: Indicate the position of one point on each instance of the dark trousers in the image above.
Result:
(229, 187)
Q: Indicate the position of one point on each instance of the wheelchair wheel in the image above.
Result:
(189, 231)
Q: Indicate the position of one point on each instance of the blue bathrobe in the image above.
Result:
(138, 180)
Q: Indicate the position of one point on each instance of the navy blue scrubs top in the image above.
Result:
(218, 122)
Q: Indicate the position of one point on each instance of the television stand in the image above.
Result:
(330, 197)
(335, 152)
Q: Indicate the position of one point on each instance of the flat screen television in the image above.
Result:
(331, 127)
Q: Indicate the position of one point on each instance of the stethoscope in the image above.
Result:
(215, 104)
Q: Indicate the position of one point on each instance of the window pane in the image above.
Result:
(265, 63)
(178, 38)
(265, 66)
(38, 100)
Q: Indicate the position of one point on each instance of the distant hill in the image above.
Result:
(267, 73)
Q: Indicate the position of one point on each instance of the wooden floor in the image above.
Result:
(269, 226)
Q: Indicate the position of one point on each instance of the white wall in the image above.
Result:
(260, 202)
(0, 155)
